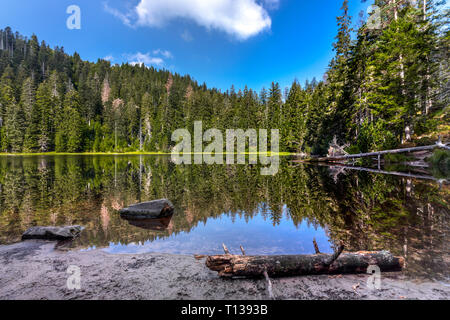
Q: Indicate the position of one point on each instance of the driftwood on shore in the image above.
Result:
(229, 265)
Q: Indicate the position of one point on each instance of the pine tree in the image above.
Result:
(294, 126)
(274, 106)
(14, 121)
(69, 136)
(338, 79)
(32, 116)
(44, 107)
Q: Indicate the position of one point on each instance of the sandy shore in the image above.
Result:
(36, 270)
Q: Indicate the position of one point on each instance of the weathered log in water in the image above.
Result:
(378, 154)
(393, 173)
(294, 265)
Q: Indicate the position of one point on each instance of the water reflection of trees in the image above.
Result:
(367, 211)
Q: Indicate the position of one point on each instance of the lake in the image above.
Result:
(233, 204)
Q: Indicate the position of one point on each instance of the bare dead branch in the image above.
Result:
(316, 247)
(269, 284)
(225, 249)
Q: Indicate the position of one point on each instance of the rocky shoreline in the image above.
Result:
(35, 269)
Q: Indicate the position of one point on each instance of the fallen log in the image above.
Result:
(378, 154)
(393, 173)
(293, 265)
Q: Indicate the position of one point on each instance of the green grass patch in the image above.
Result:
(440, 162)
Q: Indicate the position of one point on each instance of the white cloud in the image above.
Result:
(109, 58)
(156, 58)
(240, 18)
(144, 58)
(186, 36)
(165, 53)
(125, 18)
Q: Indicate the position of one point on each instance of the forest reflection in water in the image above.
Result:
(235, 205)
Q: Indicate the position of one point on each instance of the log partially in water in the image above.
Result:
(438, 144)
(293, 265)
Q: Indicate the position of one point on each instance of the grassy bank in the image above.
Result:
(440, 162)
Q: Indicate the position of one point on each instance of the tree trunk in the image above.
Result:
(424, 10)
(293, 265)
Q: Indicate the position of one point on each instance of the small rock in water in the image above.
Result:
(145, 210)
(52, 233)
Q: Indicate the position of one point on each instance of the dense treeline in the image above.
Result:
(384, 84)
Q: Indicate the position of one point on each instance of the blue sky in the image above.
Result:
(219, 42)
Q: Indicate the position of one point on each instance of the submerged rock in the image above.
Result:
(145, 210)
(52, 233)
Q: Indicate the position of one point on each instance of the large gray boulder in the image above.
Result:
(52, 233)
(148, 210)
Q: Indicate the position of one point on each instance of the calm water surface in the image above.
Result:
(234, 205)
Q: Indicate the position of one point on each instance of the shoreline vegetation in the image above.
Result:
(379, 92)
